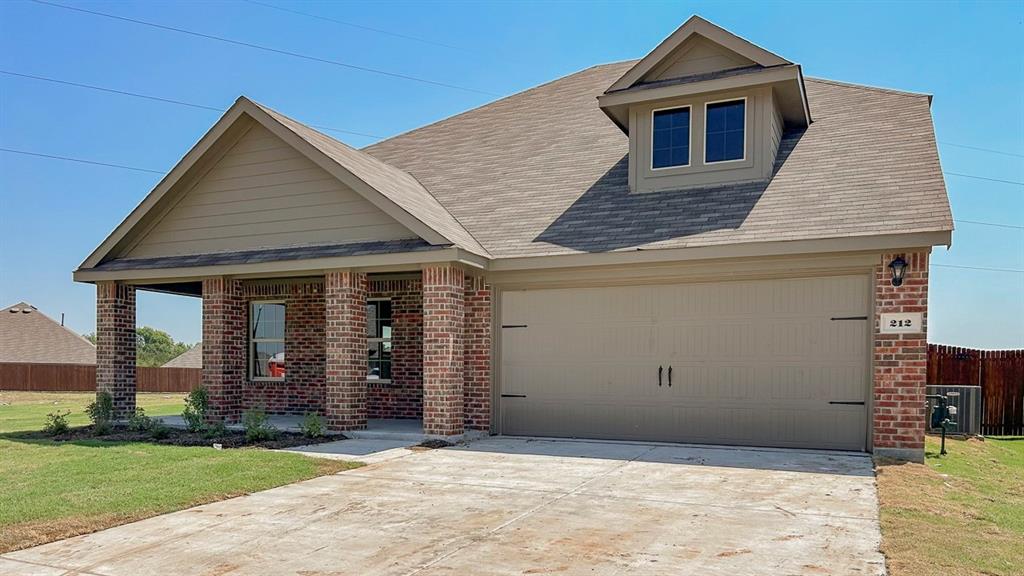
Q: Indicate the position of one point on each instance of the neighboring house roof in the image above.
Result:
(544, 172)
(191, 358)
(28, 335)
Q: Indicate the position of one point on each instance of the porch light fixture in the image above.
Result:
(898, 268)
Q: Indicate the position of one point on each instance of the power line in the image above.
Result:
(79, 160)
(1014, 182)
(979, 148)
(990, 224)
(267, 48)
(161, 99)
(354, 25)
(980, 268)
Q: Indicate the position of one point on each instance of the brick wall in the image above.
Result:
(900, 361)
(345, 376)
(115, 344)
(303, 389)
(477, 355)
(224, 341)
(403, 396)
(443, 315)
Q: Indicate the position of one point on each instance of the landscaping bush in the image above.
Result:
(312, 425)
(216, 430)
(56, 423)
(101, 410)
(102, 427)
(196, 404)
(139, 422)
(159, 430)
(257, 425)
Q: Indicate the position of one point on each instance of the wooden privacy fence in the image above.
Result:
(82, 378)
(1000, 373)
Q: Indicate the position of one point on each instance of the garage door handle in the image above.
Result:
(660, 368)
(669, 376)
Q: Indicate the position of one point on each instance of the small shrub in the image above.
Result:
(139, 422)
(216, 430)
(101, 409)
(102, 428)
(56, 423)
(312, 425)
(159, 430)
(257, 425)
(196, 404)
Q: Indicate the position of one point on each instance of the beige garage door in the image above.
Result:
(760, 363)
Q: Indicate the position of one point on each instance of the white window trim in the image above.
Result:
(745, 109)
(689, 145)
(252, 340)
(377, 340)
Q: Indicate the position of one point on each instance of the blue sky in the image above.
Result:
(53, 213)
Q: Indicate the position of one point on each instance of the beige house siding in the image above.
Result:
(697, 55)
(263, 193)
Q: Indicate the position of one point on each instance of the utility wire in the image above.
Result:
(354, 25)
(1014, 182)
(990, 224)
(267, 48)
(980, 268)
(79, 160)
(993, 151)
(162, 99)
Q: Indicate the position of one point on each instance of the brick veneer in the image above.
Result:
(443, 301)
(115, 344)
(345, 376)
(303, 389)
(403, 396)
(900, 362)
(224, 341)
(477, 355)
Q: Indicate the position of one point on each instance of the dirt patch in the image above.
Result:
(180, 437)
(433, 444)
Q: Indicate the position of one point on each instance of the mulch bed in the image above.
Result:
(181, 437)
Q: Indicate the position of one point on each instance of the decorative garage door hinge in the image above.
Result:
(513, 325)
(513, 395)
(849, 317)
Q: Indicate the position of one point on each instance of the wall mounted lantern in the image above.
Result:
(898, 268)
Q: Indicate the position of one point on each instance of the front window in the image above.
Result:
(378, 339)
(670, 140)
(724, 139)
(266, 340)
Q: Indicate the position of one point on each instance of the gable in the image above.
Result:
(697, 55)
(263, 193)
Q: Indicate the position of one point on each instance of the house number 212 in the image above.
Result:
(897, 322)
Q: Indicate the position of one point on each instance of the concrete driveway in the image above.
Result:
(512, 507)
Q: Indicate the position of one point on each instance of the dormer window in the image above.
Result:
(670, 139)
(725, 131)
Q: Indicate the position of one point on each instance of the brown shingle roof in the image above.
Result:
(544, 172)
(28, 335)
(191, 358)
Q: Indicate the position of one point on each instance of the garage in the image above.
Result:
(778, 362)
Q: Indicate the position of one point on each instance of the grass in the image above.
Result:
(959, 514)
(51, 490)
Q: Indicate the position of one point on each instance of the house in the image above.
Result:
(191, 358)
(27, 336)
(700, 246)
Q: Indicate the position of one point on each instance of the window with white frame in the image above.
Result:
(266, 340)
(724, 138)
(378, 339)
(670, 138)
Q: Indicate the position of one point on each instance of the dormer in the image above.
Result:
(704, 108)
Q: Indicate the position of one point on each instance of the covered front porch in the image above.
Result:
(403, 352)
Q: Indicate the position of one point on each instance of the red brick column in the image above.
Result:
(346, 351)
(115, 345)
(224, 342)
(443, 301)
(900, 362)
(476, 385)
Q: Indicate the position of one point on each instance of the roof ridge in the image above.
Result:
(492, 103)
(869, 87)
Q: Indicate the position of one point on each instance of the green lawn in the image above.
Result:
(51, 490)
(959, 514)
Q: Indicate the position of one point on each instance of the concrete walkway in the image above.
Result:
(506, 506)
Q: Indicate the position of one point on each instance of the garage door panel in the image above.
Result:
(753, 362)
